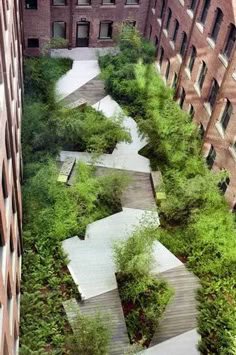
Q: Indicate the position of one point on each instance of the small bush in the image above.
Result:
(91, 335)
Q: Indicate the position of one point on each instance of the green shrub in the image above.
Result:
(196, 223)
(91, 335)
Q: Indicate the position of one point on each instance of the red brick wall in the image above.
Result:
(10, 171)
(38, 23)
(216, 69)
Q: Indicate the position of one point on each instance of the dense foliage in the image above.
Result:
(143, 297)
(91, 335)
(53, 211)
(195, 220)
(47, 126)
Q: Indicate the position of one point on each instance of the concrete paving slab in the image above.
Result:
(91, 260)
(82, 54)
(184, 344)
(165, 260)
(80, 74)
(131, 161)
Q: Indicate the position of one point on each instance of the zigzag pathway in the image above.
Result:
(92, 267)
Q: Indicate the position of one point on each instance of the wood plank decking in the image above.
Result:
(180, 314)
(109, 303)
(93, 91)
(139, 193)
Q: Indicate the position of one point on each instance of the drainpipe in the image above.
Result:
(219, 95)
(70, 25)
(184, 62)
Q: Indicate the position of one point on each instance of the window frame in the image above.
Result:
(65, 28)
(176, 30)
(231, 32)
(192, 58)
(32, 39)
(100, 26)
(211, 157)
(31, 8)
(133, 4)
(111, 3)
(226, 115)
(162, 9)
(65, 3)
(88, 3)
(183, 45)
(217, 24)
(213, 93)
(204, 12)
(202, 75)
(182, 98)
(162, 53)
(169, 16)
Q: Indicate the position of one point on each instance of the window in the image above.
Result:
(226, 115)
(108, 2)
(31, 4)
(176, 29)
(105, 30)
(202, 75)
(84, 2)
(230, 41)
(167, 69)
(211, 157)
(4, 183)
(162, 8)
(130, 23)
(33, 42)
(217, 24)
(174, 82)
(192, 58)
(183, 44)
(213, 93)
(161, 56)
(132, 2)
(59, 29)
(154, 4)
(156, 41)
(7, 142)
(150, 32)
(59, 2)
(223, 185)
(169, 15)
(191, 111)
(201, 131)
(205, 9)
(193, 4)
(182, 98)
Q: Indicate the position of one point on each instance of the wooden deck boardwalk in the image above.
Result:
(109, 303)
(139, 193)
(93, 91)
(181, 312)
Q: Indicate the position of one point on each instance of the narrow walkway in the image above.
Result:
(92, 266)
(139, 193)
(93, 91)
(181, 312)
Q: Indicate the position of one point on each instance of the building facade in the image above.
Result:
(10, 173)
(84, 23)
(195, 42)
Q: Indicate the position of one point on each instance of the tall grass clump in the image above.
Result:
(195, 222)
(143, 296)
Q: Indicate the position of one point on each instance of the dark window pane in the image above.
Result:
(217, 24)
(204, 13)
(31, 4)
(33, 42)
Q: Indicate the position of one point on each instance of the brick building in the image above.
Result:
(85, 23)
(195, 42)
(10, 173)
